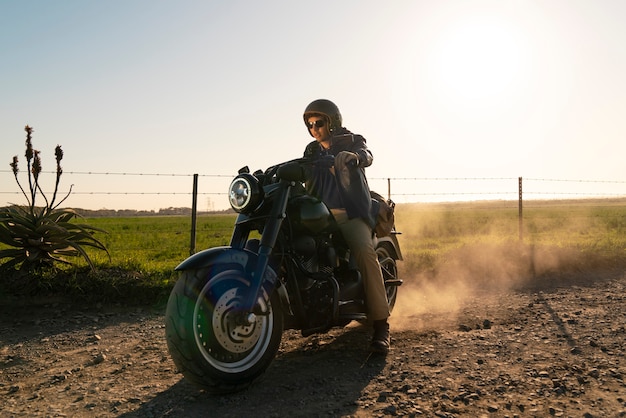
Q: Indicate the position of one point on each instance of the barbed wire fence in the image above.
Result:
(188, 188)
(395, 189)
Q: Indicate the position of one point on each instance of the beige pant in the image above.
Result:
(358, 236)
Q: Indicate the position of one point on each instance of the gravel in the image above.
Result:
(553, 347)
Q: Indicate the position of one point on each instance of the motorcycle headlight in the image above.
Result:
(245, 194)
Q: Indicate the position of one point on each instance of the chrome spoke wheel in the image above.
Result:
(229, 339)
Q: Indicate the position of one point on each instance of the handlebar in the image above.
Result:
(293, 170)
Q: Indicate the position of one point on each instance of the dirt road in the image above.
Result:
(549, 348)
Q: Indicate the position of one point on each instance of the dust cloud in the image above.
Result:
(437, 294)
(453, 252)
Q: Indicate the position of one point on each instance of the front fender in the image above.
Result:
(221, 255)
(227, 255)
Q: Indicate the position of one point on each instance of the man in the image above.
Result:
(343, 188)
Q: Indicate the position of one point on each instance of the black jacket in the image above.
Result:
(352, 194)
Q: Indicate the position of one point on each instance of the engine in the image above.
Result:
(316, 255)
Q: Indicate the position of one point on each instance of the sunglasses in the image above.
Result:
(318, 124)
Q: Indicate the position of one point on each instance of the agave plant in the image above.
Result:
(40, 236)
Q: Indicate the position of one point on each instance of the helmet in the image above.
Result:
(325, 108)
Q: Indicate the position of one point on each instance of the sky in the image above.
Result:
(481, 89)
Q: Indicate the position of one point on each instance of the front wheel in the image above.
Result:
(390, 274)
(213, 343)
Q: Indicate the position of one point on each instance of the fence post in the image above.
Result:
(521, 234)
(194, 214)
(388, 188)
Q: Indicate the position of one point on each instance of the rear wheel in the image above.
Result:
(212, 342)
(390, 273)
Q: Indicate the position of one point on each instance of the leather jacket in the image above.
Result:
(351, 192)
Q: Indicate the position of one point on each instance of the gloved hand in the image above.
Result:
(346, 159)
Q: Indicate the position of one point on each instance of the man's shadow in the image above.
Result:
(324, 375)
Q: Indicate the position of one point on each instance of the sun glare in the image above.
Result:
(477, 63)
(467, 81)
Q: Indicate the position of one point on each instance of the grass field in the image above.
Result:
(158, 244)
(473, 240)
(556, 236)
(429, 231)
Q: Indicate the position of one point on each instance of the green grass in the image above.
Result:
(479, 239)
(144, 253)
(158, 244)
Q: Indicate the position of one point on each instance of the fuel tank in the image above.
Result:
(309, 213)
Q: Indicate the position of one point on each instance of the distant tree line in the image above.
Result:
(125, 213)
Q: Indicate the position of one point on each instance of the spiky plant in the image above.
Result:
(41, 236)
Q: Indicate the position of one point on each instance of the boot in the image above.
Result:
(381, 340)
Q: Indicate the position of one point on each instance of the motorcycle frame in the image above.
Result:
(256, 264)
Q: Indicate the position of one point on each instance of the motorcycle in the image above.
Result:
(287, 267)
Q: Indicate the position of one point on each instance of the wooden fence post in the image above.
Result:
(521, 226)
(194, 214)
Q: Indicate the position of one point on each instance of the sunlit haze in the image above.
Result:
(440, 89)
